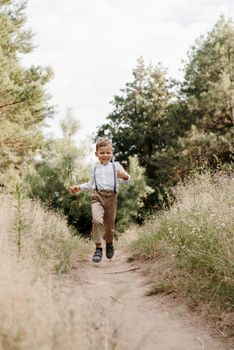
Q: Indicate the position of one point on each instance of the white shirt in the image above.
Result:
(104, 175)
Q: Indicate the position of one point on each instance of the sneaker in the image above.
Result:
(97, 256)
(109, 250)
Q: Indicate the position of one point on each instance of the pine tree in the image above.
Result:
(24, 104)
(209, 93)
(200, 121)
(139, 123)
(135, 125)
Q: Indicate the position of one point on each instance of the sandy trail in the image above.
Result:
(117, 314)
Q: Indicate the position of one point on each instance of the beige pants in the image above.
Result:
(104, 205)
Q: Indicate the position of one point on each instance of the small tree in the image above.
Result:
(132, 196)
(60, 164)
(70, 127)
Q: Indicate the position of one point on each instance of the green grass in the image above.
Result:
(196, 239)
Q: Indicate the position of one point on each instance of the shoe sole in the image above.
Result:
(96, 260)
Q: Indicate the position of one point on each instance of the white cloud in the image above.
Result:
(93, 45)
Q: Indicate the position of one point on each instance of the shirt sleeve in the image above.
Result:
(86, 186)
(119, 167)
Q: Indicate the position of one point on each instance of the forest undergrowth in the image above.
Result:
(36, 247)
(189, 249)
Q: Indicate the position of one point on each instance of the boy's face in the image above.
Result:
(104, 154)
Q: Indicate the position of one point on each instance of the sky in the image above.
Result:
(93, 46)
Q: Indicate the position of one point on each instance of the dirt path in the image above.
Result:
(118, 315)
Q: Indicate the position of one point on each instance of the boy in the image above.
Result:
(104, 184)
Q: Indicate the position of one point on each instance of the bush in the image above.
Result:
(196, 236)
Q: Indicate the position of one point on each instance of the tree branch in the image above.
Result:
(12, 103)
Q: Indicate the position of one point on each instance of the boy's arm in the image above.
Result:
(83, 187)
(122, 174)
(86, 186)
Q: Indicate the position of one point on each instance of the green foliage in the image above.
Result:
(20, 222)
(60, 163)
(46, 184)
(209, 92)
(23, 100)
(139, 112)
(70, 127)
(196, 237)
(175, 128)
(138, 124)
(131, 196)
(209, 78)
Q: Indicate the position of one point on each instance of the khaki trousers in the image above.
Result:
(104, 206)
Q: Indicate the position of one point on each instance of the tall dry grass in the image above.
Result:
(35, 245)
(195, 241)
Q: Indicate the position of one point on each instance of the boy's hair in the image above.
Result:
(102, 142)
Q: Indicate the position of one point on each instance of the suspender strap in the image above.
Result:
(95, 181)
(113, 165)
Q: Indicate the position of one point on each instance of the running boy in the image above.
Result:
(104, 184)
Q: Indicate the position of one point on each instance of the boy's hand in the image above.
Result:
(122, 175)
(74, 189)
